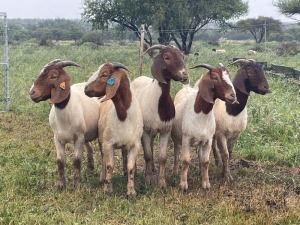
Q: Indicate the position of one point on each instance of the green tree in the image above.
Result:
(288, 7)
(186, 18)
(175, 20)
(258, 27)
(128, 13)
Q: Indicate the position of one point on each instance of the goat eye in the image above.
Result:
(214, 78)
(104, 75)
(53, 77)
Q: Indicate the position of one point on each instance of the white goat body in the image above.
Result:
(148, 93)
(73, 116)
(120, 124)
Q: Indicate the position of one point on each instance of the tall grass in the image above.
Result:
(262, 194)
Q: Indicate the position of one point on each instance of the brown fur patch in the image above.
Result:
(166, 108)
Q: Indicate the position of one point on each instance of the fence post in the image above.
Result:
(5, 63)
(265, 35)
(141, 49)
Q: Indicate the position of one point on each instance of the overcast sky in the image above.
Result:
(72, 9)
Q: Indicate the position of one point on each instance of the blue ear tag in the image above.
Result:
(111, 81)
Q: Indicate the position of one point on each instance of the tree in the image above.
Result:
(288, 7)
(186, 18)
(175, 20)
(103, 13)
(258, 27)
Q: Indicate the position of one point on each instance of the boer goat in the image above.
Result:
(73, 116)
(194, 123)
(120, 124)
(231, 119)
(157, 105)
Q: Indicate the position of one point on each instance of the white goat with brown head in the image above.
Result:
(157, 104)
(194, 123)
(120, 124)
(73, 116)
(231, 120)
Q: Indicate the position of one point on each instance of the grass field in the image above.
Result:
(265, 165)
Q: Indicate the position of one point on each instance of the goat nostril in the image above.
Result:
(31, 92)
(232, 95)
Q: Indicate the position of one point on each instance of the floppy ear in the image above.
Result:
(239, 82)
(112, 85)
(61, 89)
(157, 67)
(206, 86)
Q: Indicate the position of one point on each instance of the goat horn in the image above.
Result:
(158, 46)
(221, 64)
(251, 60)
(239, 61)
(117, 65)
(62, 64)
(207, 66)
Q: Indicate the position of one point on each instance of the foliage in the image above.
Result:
(186, 18)
(260, 27)
(94, 37)
(288, 7)
(44, 29)
(290, 48)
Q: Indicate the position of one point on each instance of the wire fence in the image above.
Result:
(211, 44)
(280, 57)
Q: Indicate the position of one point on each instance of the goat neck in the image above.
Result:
(64, 103)
(166, 108)
(235, 109)
(201, 105)
(122, 99)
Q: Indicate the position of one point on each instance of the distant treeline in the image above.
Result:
(46, 31)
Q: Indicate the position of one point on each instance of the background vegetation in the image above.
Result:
(265, 166)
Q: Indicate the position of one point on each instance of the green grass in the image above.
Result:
(266, 191)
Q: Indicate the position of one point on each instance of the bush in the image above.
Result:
(94, 37)
(288, 48)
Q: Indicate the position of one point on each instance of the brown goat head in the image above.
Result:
(216, 84)
(106, 81)
(250, 77)
(168, 64)
(53, 82)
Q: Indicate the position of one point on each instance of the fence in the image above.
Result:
(275, 55)
(4, 82)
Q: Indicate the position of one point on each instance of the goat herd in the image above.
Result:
(129, 115)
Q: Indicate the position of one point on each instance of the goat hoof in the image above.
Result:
(228, 178)
(162, 184)
(206, 186)
(131, 193)
(60, 185)
(91, 168)
(183, 187)
(149, 179)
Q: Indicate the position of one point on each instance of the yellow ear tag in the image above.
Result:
(62, 85)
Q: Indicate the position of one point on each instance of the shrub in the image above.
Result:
(288, 48)
(94, 37)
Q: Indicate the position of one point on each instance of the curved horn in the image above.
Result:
(251, 60)
(62, 64)
(221, 64)
(241, 61)
(158, 46)
(117, 65)
(207, 66)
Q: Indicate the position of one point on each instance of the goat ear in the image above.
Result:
(240, 82)
(206, 89)
(112, 85)
(61, 90)
(157, 67)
